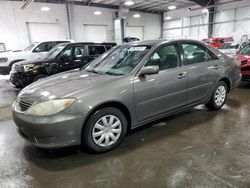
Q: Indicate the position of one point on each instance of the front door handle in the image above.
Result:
(181, 75)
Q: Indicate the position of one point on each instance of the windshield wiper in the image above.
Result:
(93, 71)
(114, 74)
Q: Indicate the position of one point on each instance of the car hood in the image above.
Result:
(68, 84)
(35, 61)
(227, 50)
(10, 54)
(244, 56)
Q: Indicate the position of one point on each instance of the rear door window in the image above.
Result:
(96, 50)
(195, 53)
(74, 51)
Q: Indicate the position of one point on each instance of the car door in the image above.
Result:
(66, 59)
(79, 56)
(202, 68)
(159, 93)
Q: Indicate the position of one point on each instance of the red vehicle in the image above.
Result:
(244, 55)
(217, 41)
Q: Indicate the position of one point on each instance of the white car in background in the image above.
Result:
(34, 51)
(229, 48)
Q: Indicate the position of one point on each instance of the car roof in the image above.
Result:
(59, 40)
(162, 41)
(92, 43)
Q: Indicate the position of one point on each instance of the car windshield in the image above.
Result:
(118, 61)
(245, 50)
(28, 48)
(55, 51)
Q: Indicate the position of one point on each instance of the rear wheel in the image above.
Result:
(219, 96)
(105, 130)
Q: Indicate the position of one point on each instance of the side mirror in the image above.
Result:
(149, 70)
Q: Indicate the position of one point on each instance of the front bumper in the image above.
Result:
(21, 79)
(245, 71)
(246, 78)
(4, 69)
(55, 131)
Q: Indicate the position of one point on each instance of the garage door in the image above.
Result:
(95, 33)
(134, 31)
(43, 31)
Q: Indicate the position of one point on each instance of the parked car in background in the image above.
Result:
(130, 39)
(126, 87)
(63, 57)
(244, 55)
(33, 51)
(229, 48)
(216, 42)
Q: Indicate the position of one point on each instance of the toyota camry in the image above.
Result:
(128, 86)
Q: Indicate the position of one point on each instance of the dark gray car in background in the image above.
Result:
(126, 87)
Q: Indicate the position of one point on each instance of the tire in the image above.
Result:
(39, 77)
(97, 143)
(219, 96)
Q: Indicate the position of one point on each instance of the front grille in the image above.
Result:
(17, 68)
(244, 62)
(24, 105)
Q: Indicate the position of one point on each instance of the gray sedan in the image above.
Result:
(126, 87)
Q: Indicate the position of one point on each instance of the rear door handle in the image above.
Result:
(181, 75)
(214, 67)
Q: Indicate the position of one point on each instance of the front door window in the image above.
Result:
(166, 57)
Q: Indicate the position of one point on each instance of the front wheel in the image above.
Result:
(105, 130)
(219, 97)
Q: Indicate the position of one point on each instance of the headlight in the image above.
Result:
(3, 59)
(28, 67)
(17, 68)
(50, 107)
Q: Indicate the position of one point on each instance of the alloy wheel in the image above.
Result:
(220, 95)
